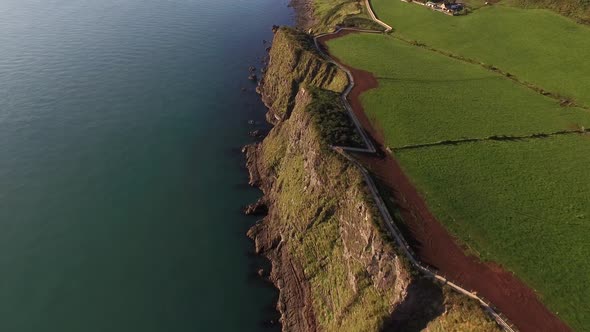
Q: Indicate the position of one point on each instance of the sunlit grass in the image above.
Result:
(536, 45)
(426, 97)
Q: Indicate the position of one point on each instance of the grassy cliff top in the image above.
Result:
(535, 46)
(425, 97)
(330, 13)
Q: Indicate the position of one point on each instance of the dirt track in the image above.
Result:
(434, 245)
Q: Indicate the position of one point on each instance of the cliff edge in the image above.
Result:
(333, 263)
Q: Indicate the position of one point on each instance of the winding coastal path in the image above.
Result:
(445, 260)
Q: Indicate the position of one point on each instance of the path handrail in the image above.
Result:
(374, 17)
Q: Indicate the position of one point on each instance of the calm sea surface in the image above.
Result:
(120, 177)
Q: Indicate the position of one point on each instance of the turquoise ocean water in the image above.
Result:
(120, 176)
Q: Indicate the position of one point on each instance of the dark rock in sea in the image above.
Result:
(261, 273)
(253, 77)
(250, 122)
(269, 324)
(257, 209)
(275, 28)
(251, 69)
(264, 41)
(255, 133)
(268, 49)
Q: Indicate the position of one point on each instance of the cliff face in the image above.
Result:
(329, 260)
(294, 62)
(333, 265)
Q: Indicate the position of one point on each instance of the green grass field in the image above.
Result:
(535, 45)
(425, 97)
(524, 204)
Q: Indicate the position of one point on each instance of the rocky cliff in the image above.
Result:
(294, 62)
(332, 262)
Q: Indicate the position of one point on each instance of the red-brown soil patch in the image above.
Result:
(435, 246)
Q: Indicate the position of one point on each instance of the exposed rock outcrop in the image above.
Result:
(256, 209)
(295, 62)
(321, 232)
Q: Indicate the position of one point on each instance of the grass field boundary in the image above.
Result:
(563, 100)
(499, 138)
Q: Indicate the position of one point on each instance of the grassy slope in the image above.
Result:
(337, 306)
(461, 314)
(329, 13)
(315, 236)
(332, 119)
(296, 61)
(543, 56)
(524, 204)
(426, 97)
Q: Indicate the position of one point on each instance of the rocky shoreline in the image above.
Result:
(294, 301)
(287, 274)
